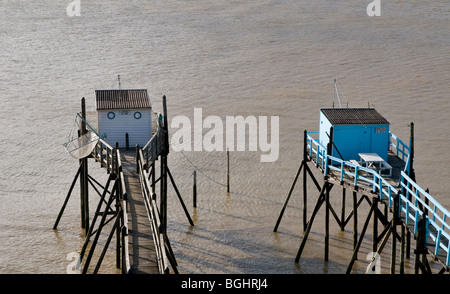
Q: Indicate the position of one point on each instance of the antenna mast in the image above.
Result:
(337, 92)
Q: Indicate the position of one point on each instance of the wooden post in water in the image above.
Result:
(179, 196)
(305, 190)
(194, 189)
(375, 225)
(303, 164)
(412, 175)
(358, 245)
(55, 226)
(84, 188)
(355, 220)
(163, 164)
(228, 171)
(395, 222)
(118, 209)
(421, 248)
(327, 199)
(343, 210)
(327, 222)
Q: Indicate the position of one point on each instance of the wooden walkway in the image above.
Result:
(142, 250)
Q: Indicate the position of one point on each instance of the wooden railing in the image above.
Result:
(153, 213)
(104, 153)
(109, 158)
(156, 148)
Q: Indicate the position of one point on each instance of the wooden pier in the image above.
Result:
(130, 205)
(135, 211)
(409, 211)
(142, 251)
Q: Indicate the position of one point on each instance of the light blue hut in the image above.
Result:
(355, 130)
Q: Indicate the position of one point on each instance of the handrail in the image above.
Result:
(412, 203)
(103, 153)
(153, 148)
(153, 214)
(109, 158)
(401, 149)
(420, 202)
(124, 217)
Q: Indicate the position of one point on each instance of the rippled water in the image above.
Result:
(257, 58)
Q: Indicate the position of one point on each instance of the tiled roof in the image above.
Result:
(354, 116)
(122, 99)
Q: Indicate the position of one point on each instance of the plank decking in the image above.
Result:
(143, 258)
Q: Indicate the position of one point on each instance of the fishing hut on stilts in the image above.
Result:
(356, 152)
(129, 201)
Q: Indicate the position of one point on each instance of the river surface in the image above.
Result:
(229, 58)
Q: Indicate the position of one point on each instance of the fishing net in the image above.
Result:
(82, 146)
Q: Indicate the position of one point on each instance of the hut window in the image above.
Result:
(111, 115)
(137, 115)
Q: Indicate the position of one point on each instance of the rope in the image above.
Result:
(199, 170)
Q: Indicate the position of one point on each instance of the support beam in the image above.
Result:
(358, 245)
(319, 203)
(55, 226)
(179, 196)
(280, 216)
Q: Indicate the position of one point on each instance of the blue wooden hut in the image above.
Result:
(355, 130)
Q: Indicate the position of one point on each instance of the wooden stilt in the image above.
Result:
(327, 222)
(194, 189)
(179, 196)
(343, 210)
(355, 220)
(97, 214)
(355, 252)
(228, 171)
(108, 241)
(385, 235)
(55, 226)
(97, 235)
(319, 203)
(305, 190)
(288, 197)
(375, 225)
(402, 250)
(84, 188)
(421, 251)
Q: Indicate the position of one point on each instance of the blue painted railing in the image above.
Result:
(399, 148)
(437, 232)
(413, 200)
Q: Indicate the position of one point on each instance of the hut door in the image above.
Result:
(365, 141)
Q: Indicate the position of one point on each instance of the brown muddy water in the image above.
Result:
(229, 58)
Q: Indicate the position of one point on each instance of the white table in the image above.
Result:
(374, 161)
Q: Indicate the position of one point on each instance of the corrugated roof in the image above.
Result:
(354, 116)
(122, 99)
